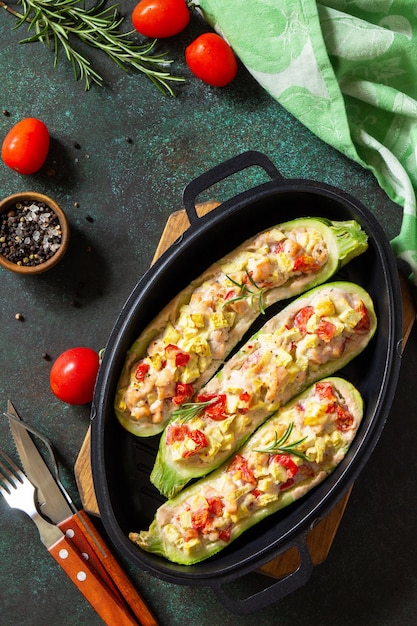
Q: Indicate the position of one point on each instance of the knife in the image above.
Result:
(76, 525)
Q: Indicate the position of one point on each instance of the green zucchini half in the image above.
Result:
(312, 337)
(192, 336)
(291, 453)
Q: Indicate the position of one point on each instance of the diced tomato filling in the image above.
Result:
(325, 330)
(181, 358)
(216, 410)
(141, 370)
(292, 469)
(344, 419)
(225, 534)
(176, 432)
(199, 439)
(215, 506)
(302, 317)
(240, 468)
(202, 520)
(286, 461)
(183, 393)
(171, 349)
(305, 263)
(325, 391)
(245, 399)
(364, 323)
(199, 518)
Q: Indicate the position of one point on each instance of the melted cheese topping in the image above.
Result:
(163, 379)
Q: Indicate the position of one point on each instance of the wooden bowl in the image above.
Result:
(12, 203)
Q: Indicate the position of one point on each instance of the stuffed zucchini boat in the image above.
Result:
(289, 455)
(314, 336)
(191, 337)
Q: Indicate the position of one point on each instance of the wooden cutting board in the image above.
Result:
(320, 538)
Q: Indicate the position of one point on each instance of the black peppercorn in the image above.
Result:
(30, 233)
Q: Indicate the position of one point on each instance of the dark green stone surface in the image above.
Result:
(129, 188)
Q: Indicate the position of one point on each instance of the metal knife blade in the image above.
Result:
(51, 500)
(80, 536)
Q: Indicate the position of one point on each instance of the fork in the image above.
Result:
(19, 493)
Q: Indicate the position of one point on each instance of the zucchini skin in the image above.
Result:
(207, 516)
(269, 386)
(343, 240)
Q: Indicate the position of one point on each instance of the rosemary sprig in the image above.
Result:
(57, 23)
(188, 410)
(245, 292)
(280, 446)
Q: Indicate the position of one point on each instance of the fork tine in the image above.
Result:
(11, 472)
(14, 469)
(19, 493)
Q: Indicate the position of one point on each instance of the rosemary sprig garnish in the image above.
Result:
(56, 23)
(280, 446)
(188, 410)
(245, 292)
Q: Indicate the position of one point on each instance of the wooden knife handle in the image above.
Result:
(90, 584)
(115, 571)
(76, 535)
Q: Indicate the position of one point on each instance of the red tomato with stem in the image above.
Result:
(26, 146)
(73, 375)
(160, 18)
(211, 59)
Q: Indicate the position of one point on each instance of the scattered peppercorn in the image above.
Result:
(19, 317)
(129, 140)
(76, 145)
(76, 204)
(30, 233)
(89, 218)
(6, 113)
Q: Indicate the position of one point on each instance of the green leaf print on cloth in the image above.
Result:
(347, 69)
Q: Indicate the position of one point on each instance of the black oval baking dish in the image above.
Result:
(121, 463)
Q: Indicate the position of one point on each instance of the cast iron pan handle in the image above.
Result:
(275, 592)
(220, 172)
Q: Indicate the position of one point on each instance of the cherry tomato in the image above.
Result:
(26, 146)
(160, 18)
(211, 59)
(73, 375)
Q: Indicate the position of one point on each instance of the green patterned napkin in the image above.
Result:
(347, 69)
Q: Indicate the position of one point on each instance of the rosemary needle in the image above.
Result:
(58, 23)
(189, 410)
(245, 292)
(280, 445)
